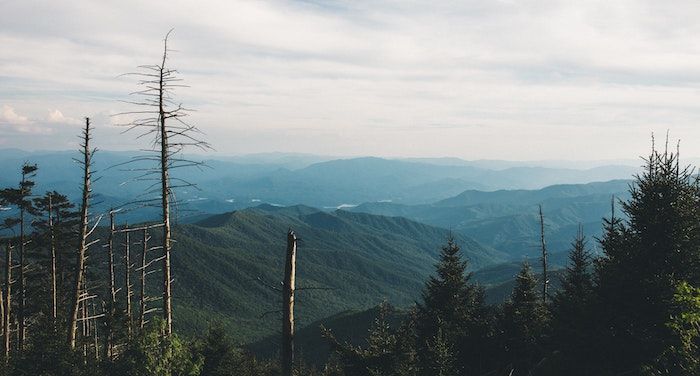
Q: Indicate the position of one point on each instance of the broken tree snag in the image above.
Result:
(545, 280)
(288, 305)
(82, 236)
(127, 280)
(8, 295)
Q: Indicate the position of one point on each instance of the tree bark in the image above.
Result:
(288, 288)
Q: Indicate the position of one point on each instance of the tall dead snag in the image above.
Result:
(545, 280)
(84, 232)
(127, 280)
(288, 287)
(52, 246)
(164, 120)
(25, 208)
(7, 333)
(112, 289)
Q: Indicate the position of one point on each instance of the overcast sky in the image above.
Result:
(472, 79)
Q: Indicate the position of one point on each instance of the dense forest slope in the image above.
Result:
(227, 266)
(508, 219)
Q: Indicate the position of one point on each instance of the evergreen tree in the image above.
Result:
(524, 322)
(452, 315)
(572, 311)
(380, 357)
(645, 259)
(682, 357)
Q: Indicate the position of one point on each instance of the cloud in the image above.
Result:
(57, 117)
(497, 76)
(9, 116)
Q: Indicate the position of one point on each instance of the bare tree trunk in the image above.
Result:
(110, 251)
(142, 300)
(95, 335)
(22, 287)
(165, 198)
(288, 287)
(112, 290)
(80, 266)
(54, 304)
(127, 280)
(8, 295)
(545, 280)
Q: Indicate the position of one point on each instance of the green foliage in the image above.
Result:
(223, 358)
(572, 311)
(388, 352)
(682, 357)
(644, 260)
(153, 353)
(524, 323)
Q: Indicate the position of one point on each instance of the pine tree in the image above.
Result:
(572, 310)
(453, 314)
(645, 258)
(524, 322)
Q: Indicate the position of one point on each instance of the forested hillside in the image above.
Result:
(230, 263)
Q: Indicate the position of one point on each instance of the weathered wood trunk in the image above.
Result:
(112, 289)
(7, 333)
(545, 280)
(165, 197)
(127, 280)
(142, 293)
(52, 245)
(82, 237)
(288, 287)
(22, 281)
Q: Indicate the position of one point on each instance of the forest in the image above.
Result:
(85, 293)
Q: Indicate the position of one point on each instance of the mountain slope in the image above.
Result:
(508, 220)
(227, 265)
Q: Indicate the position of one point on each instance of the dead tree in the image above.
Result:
(79, 295)
(142, 268)
(25, 207)
(545, 280)
(164, 120)
(127, 280)
(112, 288)
(52, 246)
(288, 287)
(8, 302)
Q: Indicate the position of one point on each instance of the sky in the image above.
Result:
(516, 80)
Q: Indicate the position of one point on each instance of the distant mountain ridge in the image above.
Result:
(231, 183)
(508, 219)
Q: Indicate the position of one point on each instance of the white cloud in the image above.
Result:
(477, 79)
(10, 116)
(57, 117)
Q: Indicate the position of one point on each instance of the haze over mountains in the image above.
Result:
(494, 202)
(230, 183)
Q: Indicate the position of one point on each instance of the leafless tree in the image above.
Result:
(8, 302)
(164, 120)
(80, 293)
(545, 280)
